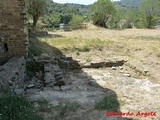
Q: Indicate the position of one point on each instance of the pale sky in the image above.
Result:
(86, 2)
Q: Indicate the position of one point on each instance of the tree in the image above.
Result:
(76, 19)
(131, 18)
(35, 8)
(101, 11)
(149, 12)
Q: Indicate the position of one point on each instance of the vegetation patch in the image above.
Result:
(34, 48)
(17, 108)
(40, 45)
(109, 103)
(74, 43)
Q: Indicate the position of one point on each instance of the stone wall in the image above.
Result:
(13, 31)
(12, 75)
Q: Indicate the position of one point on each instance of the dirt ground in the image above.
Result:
(136, 82)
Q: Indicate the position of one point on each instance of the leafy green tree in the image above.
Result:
(76, 19)
(131, 18)
(149, 12)
(35, 8)
(113, 22)
(101, 11)
(65, 18)
(51, 20)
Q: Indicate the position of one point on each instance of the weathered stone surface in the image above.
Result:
(30, 86)
(48, 78)
(127, 75)
(13, 73)
(19, 91)
(68, 63)
(114, 68)
(59, 77)
(110, 62)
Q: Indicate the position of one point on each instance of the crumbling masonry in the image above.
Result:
(13, 32)
(13, 44)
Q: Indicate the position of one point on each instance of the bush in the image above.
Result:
(109, 103)
(76, 19)
(17, 108)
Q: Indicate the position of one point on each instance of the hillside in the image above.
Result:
(83, 9)
(133, 3)
(124, 4)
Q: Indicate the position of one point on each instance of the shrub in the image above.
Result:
(109, 103)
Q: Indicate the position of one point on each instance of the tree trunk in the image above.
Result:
(35, 19)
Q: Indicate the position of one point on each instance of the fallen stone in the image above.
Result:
(30, 86)
(127, 75)
(19, 91)
(93, 82)
(120, 67)
(114, 68)
(121, 71)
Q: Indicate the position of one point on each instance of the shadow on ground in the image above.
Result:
(79, 87)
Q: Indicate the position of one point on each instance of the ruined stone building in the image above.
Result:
(13, 44)
(13, 32)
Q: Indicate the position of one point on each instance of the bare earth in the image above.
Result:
(136, 82)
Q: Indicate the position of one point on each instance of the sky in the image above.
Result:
(85, 2)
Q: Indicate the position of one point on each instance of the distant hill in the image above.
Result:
(132, 3)
(83, 9)
(128, 4)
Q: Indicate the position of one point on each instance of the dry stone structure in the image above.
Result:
(13, 32)
(13, 45)
(12, 75)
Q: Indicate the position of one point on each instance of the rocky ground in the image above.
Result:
(87, 86)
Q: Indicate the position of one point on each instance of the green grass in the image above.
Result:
(82, 45)
(109, 103)
(38, 46)
(34, 48)
(144, 38)
(55, 45)
(17, 108)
